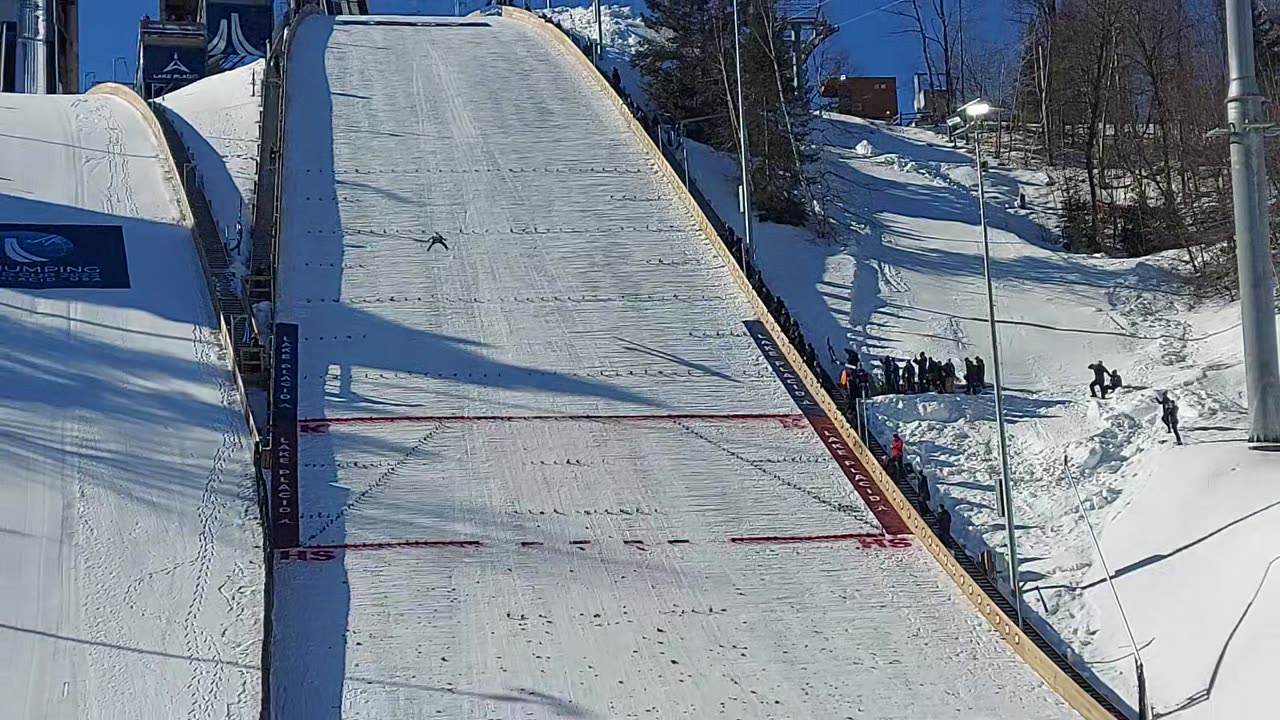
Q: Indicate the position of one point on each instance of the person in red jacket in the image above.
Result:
(895, 456)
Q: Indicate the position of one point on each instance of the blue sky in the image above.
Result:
(873, 44)
(109, 30)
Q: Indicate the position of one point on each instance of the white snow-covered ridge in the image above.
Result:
(132, 554)
(218, 119)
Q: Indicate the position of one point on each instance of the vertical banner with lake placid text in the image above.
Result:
(858, 475)
(284, 438)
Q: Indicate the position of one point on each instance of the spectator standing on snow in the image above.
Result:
(944, 526)
(922, 371)
(1100, 373)
(935, 375)
(896, 450)
(948, 377)
(847, 384)
(909, 377)
(980, 372)
(970, 377)
(1169, 414)
(890, 374)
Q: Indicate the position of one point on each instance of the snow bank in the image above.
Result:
(624, 30)
(1183, 527)
(130, 551)
(218, 118)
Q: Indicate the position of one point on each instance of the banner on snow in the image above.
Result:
(37, 257)
(239, 32)
(284, 438)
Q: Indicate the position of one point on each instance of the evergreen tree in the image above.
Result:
(1077, 227)
(689, 71)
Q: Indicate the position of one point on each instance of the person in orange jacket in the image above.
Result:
(895, 456)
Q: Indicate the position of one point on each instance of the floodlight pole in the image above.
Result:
(1246, 123)
(1006, 482)
(743, 150)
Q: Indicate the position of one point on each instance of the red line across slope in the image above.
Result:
(321, 425)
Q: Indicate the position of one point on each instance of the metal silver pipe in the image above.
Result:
(744, 152)
(1006, 481)
(1249, 195)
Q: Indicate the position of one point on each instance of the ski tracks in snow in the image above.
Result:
(418, 448)
(208, 679)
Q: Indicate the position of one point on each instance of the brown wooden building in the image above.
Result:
(874, 98)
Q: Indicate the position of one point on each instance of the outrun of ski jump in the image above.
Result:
(406, 359)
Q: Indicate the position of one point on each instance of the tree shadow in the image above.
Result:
(1159, 557)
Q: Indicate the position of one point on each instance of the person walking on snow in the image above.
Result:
(436, 239)
(1100, 373)
(896, 450)
(1169, 414)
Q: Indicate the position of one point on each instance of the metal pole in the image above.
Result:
(743, 151)
(1097, 547)
(1249, 194)
(1006, 486)
(599, 31)
(684, 151)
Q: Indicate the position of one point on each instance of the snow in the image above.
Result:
(502, 440)
(1058, 313)
(131, 570)
(624, 30)
(218, 118)
(1176, 522)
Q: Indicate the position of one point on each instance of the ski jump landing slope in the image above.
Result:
(130, 556)
(548, 471)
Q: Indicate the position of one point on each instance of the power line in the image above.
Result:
(868, 13)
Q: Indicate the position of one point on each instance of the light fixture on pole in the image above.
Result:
(743, 151)
(976, 111)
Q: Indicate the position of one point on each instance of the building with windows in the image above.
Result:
(873, 98)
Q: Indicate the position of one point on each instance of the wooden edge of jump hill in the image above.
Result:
(1069, 690)
(174, 179)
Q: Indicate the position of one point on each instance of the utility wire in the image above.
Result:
(868, 13)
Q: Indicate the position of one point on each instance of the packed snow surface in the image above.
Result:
(525, 457)
(131, 574)
(1184, 528)
(219, 119)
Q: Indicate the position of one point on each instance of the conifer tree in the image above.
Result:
(689, 72)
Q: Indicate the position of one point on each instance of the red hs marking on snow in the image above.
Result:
(866, 541)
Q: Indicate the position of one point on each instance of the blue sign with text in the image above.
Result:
(63, 256)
